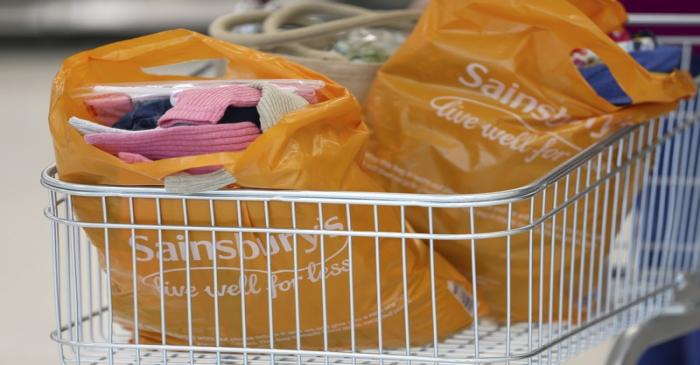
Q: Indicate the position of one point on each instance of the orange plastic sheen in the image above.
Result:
(483, 97)
(608, 15)
(317, 147)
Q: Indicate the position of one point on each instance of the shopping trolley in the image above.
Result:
(643, 182)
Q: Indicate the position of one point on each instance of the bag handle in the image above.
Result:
(184, 183)
(640, 85)
(220, 27)
(609, 15)
(562, 23)
(164, 49)
(282, 16)
(126, 61)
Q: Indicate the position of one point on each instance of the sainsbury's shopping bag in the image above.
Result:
(268, 286)
(484, 97)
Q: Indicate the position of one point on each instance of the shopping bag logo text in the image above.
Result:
(535, 142)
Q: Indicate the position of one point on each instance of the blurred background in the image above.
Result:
(35, 37)
(119, 18)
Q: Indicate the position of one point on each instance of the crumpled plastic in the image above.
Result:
(318, 147)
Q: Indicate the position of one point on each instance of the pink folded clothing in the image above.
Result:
(160, 143)
(129, 157)
(308, 94)
(207, 105)
(136, 158)
(203, 170)
(108, 108)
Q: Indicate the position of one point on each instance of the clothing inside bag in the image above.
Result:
(108, 108)
(203, 120)
(178, 141)
(662, 59)
(208, 105)
(145, 115)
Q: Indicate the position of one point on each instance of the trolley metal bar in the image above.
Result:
(672, 19)
(49, 180)
(679, 283)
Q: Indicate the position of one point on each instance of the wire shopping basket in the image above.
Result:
(621, 218)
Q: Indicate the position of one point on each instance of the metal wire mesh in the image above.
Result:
(574, 259)
(623, 216)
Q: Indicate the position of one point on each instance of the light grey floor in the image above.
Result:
(26, 311)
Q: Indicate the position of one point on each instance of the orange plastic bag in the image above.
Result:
(316, 147)
(484, 97)
(608, 15)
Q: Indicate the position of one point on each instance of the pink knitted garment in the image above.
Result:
(208, 105)
(129, 157)
(108, 108)
(203, 170)
(308, 94)
(160, 143)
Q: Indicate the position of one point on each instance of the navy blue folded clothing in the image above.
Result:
(662, 59)
(243, 114)
(145, 115)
